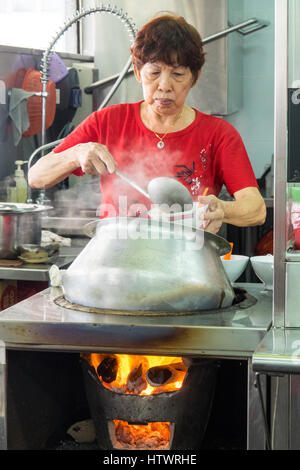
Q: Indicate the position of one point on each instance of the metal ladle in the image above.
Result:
(163, 190)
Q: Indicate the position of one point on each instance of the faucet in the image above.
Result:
(44, 75)
(42, 199)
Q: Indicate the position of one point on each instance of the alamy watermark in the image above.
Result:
(137, 222)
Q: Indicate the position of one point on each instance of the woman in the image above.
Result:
(161, 136)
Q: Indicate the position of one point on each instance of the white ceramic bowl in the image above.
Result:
(263, 268)
(235, 266)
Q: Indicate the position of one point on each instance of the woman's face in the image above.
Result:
(165, 87)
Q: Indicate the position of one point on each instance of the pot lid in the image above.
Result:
(157, 228)
(18, 208)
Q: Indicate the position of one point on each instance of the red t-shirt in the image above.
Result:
(208, 153)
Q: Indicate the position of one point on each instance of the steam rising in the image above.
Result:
(86, 195)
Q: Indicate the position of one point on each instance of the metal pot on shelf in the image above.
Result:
(20, 224)
(149, 265)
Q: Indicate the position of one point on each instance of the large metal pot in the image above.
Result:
(20, 224)
(138, 264)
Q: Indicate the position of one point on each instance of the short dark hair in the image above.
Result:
(167, 36)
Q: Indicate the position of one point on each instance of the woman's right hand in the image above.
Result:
(94, 158)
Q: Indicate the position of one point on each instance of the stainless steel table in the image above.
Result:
(39, 323)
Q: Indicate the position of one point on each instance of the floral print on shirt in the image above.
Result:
(194, 174)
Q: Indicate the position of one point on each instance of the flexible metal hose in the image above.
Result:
(130, 27)
(45, 62)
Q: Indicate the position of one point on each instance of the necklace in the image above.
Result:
(161, 144)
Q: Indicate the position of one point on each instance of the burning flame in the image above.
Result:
(131, 373)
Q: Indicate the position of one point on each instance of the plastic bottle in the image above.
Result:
(21, 182)
(12, 192)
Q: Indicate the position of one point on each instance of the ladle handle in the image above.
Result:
(131, 182)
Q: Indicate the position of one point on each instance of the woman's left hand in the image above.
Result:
(214, 215)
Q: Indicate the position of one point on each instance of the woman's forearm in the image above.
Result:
(245, 211)
(51, 169)
(92, 157)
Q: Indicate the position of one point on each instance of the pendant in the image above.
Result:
(160, 144)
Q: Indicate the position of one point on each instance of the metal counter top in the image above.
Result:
(39, 323)
(40, 272)
(278, 352)
(33, 272)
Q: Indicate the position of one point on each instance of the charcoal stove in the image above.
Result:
(174, 420)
